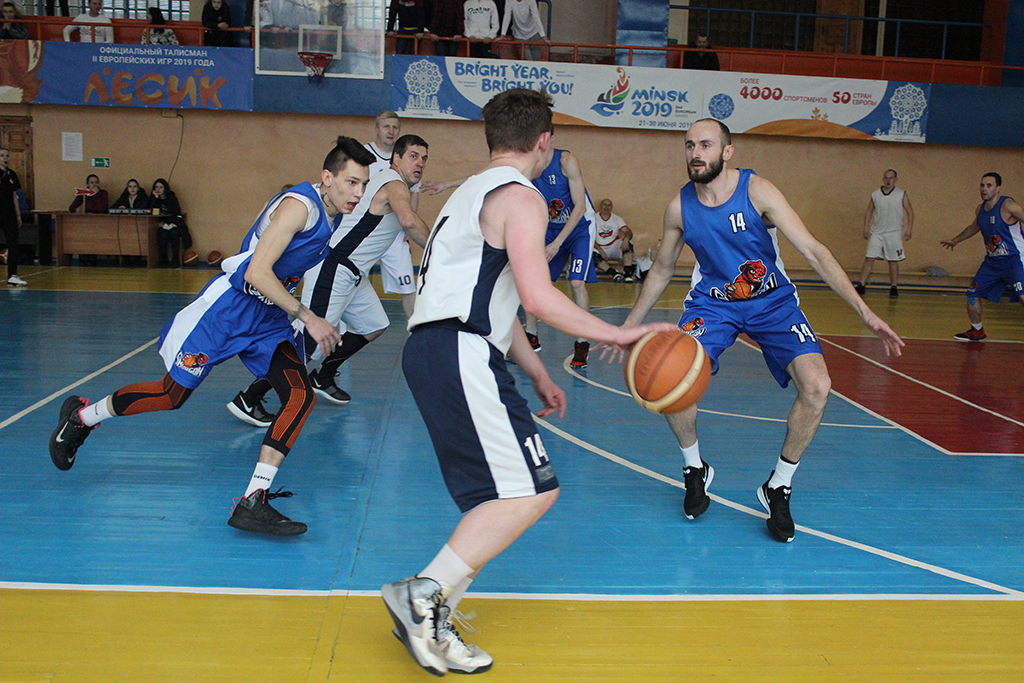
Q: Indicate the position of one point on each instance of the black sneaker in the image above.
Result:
(894, 293)
(70, 433)
(776, 504)
(698, 480)
(328, 389)
(579, 358)
(861, 289)
(253, 414)
(971, 335)
(253, 513)
(534, 341)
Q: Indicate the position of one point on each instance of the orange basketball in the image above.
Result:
(190, 258)
(667, 372)
(214, 258)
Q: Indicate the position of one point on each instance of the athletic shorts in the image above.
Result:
(888, 246)
(779, 327)
(613, 252)
(994, 275)
(221, 323)
(483, 433)
(396, 267)
(578, 250)
(344, 299)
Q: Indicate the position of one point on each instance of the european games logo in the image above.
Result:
(611, 102)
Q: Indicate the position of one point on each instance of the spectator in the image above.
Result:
(526, 25)
(133, 197)
(481, 22)
(96, 202)
(92, 32)
(10, 217)
(411, 17)
(64, 11)
(12, 28)
(706, 59)
(217, 18)
(173, 234)
(447, 20)
(158, 36)
(333, 13)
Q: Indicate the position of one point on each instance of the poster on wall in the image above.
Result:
(100, 74)
(667, 99)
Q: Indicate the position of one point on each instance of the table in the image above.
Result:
(108, 234)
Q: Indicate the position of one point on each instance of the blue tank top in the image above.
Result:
(737, 254)
(1001, 239)
(306, 249)
(553, 184)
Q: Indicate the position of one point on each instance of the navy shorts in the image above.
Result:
(778, 326)
(578, 250)
(486, 440)
(994, 275)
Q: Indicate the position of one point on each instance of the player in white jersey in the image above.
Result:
(888, 223)
(485, 255)
(338, 288)
(396, 269)
(613, 242)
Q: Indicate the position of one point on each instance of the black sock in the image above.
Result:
(350, 344)
(256, 391)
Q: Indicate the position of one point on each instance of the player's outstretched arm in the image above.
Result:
(400, 200)
(550, 394)
(967, 233)
(664, 266)
(439, 186)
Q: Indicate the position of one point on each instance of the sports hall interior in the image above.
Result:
(907, 565)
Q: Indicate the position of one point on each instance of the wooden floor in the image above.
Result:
(907, 565)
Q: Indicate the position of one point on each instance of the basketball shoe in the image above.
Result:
(254, 513)
(970, 335)
(15, 281)
(698, 481)
(776, 503)
(254, 414)
(459, 656)
(894, 292)
(328, 389)
(579, 358)
(861, 289)
(414, 605)
(534, 341)
(70, 433)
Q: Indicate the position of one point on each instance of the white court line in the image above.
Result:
(60, 392)
(757, 513)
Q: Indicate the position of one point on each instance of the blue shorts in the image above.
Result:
(221, 323)
(577, 249)
(483, 433)
(994, 275)
(779, 327)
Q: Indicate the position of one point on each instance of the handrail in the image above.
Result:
(195, 29)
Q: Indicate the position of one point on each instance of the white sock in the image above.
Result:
(580, 339)
(691, 454)
(783, 476)
(262, 477)
(533, 331)
(976, 326)
(94, 413)
(457, 593)
(447, 568)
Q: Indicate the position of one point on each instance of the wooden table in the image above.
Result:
(108, 234)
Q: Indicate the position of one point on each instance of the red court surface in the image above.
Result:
(964, 398)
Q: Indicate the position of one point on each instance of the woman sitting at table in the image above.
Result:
(96, 202)
(133, 197)
(173, 230)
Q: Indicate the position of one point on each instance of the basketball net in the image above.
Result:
(316, 64)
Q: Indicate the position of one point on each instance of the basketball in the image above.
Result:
(214, 258)
(667, 372)
(190, 258)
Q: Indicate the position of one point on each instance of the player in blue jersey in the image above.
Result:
(245, 312)
(729, 217)
(998, 219)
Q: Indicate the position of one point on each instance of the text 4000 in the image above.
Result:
(758, 93)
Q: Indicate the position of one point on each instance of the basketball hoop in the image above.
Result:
(316, 64)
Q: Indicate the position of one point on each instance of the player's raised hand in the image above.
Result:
(617, 351)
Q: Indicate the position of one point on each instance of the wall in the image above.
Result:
(582, 21)
(231, 163)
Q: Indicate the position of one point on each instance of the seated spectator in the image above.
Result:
(161, 35)
(97, 202)
(217, 18)
(11, 28)
(411, 17)
(613, 242)
(481, 22)
(333, 13)
(447, 20)
(173, 233)
(93, 26)
(133, 197)
(524, 18)
(706, 59)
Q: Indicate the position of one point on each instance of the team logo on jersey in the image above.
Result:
(695, 328)
(192, 363)
(753, 280)
(610, 102)
(996, 247)
(556, 211)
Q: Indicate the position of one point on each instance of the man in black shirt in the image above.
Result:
(10, 216)
(706, 59)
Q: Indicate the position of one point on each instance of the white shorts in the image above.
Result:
(613, 252)
(396, 267)
(888, 246)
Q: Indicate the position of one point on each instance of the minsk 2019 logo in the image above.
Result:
(609, 103)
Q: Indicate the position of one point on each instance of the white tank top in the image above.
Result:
(363, 237)
(888, 216)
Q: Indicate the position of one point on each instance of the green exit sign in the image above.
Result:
(100, 162)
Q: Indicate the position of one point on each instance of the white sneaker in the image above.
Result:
(413, 605)
(460, 657)
(15, 281)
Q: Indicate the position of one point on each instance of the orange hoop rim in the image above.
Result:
(316, 64)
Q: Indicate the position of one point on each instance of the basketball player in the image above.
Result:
(613, 241)
(886, 229)
(244, 312)
(486, 255)
(729, 218)
(1004, 252)
(339, 288)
